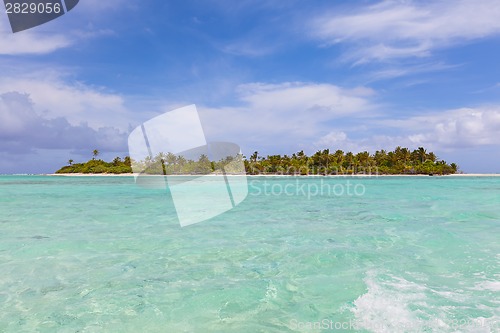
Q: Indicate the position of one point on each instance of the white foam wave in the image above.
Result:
(385, 307)
(488, 285)
(394, 304)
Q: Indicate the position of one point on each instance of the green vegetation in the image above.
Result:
(323, 162)
(171, 164)
(98, 166)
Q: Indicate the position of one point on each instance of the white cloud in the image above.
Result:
(330, 99)
(22, 130)
(336, 140)
(332, 139)
(284, 115)
(446, 131)
(398, 71)
(401, 29)
(29, 41)
(34, 42)
(289, 116)
(454, 129)
(81, 23)
(370, 142)
(467, 136)
(54, 97)
(43, 114)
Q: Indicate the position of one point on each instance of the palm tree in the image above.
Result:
(405, 154)
(301, 155)
(349, 160)
(363, 158)
(337, 159)
(380, 157)
(317, 158)
(95, 153)
(254, 157)
(422, 153)
(180, 162)
(392, 158)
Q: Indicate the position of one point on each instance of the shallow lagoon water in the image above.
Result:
(100, 254)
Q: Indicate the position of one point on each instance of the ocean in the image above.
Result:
(299, 254)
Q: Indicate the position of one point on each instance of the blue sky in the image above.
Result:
(272, 76)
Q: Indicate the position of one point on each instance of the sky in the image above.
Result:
(272, 76)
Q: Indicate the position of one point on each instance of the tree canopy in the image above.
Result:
(323, 162)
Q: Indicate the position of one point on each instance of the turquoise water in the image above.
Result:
(402, 254)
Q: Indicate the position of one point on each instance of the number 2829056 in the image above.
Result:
(33, 8)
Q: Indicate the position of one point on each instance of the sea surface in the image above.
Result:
(299, 254)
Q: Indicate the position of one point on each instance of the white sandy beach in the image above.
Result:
(358, 175)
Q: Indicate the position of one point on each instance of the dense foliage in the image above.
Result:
(399, 161)
(118, 166)
(323, 162)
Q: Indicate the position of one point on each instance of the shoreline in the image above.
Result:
(276, 175)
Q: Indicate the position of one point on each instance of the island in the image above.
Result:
(400, 161)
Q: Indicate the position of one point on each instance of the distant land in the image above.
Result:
(400, 161)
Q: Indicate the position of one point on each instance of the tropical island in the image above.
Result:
(400, 161)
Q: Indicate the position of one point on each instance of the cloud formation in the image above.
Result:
(451, 130)
(53, 96)
(408, 29)
(297, 115)
(454, 129)
(286, 114)
(60, 33)
(29, 41)
(22, 130)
